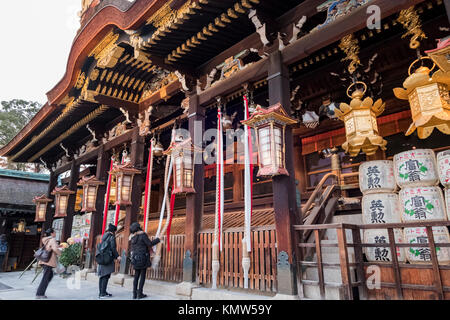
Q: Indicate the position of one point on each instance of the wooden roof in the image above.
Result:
(122, 47)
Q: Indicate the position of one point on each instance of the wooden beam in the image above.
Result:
(137, 160)
(284, 196)
(352, 22)
(103, 161)
(50, 206)
(252, 73)
(118, 103)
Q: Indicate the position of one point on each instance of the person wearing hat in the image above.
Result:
(140, 257)
(49, 241)
(104, 271)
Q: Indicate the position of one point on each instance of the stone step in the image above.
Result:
(330, 274)
(312, 292)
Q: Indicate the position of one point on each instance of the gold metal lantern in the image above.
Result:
(428, 98)
(183, 166)
(270, 125)
(41, 207)
(61, 200)
(124, 183)
(90, 188)
(360, 118)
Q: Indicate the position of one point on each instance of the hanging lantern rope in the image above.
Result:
(116, 217)
(165, 205)
(148, 185)
(107, 195)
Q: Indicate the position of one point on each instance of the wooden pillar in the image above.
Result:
(137, 160)
(447, 7)
(103, 166)
(68, 220)
(53, 181)
(379, 155)
(284, 201)
(194, 202)
(299, 167)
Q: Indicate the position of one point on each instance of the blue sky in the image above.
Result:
(36, 39)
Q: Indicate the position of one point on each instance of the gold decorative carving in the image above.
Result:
(104, 46)
(165, 16)
(144, 121)
(80, 80)
(411, 22)
(110, 56)
(349, 45)
(94, 74)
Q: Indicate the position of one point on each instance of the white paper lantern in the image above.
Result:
(416, 255)
(381, 208)
(443, 164)
(422, 203)
(377, 176)
(382, 254)
(416, 168)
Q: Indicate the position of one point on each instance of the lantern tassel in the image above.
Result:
(172, 205)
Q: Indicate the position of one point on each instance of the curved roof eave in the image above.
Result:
(98, 26)
(94, 30)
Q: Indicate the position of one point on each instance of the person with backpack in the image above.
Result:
(105, 256)
(52, 252)
(3, 250)
(140, 257)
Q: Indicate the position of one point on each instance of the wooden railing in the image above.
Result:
(398, 280)
(262, 274)
(307, 207)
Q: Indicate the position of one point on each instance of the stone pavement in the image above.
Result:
(13, 288)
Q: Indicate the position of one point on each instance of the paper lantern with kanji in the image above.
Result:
(183, 166)
(90, 188)
(428, 98)
(360, 118)
(61, 200)
(41, 207)
(124, 183)
(270, 125)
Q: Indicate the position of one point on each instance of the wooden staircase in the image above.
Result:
(320, 209)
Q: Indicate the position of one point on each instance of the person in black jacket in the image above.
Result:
(140, 257)
(104, 271)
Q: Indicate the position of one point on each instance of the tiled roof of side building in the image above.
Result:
(24, 175)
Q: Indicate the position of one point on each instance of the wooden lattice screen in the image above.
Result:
(262, 274)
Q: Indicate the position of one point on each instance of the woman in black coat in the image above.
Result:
(140, 257)
(104, 271)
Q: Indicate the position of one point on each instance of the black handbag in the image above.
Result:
(42, 254)
(140, 260)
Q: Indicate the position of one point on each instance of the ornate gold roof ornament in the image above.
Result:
(360, 118)
(350, 46)
(429, 100)
(411, 22)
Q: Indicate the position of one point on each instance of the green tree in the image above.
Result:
(14, 115)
